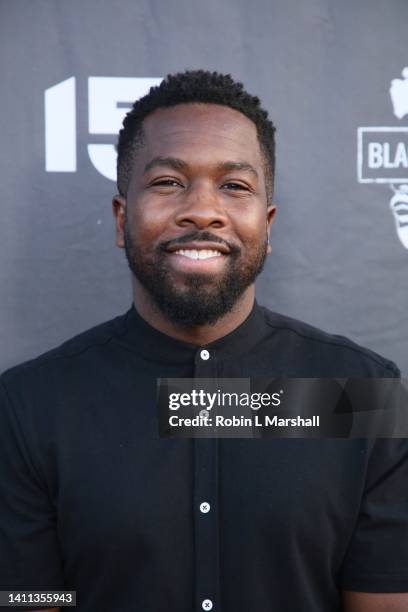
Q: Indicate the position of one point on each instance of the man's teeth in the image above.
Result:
(198, 254)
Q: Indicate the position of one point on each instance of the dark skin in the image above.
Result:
(166, 202)
(200, 195)
(375, 602)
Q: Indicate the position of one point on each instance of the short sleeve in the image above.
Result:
(29, 552)
(377, 557)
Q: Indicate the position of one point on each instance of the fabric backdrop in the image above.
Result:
(324, 70)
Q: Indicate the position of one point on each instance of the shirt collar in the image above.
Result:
(157, 346)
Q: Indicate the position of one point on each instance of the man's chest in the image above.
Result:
(143, 490)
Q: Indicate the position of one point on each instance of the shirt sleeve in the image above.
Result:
(29, 553)
(377, 557)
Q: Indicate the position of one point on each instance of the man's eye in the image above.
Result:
(235, 186)
(166, 183)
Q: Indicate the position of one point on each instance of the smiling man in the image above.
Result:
(93, 500)
(195, 213)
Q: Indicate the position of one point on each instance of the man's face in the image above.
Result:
(195, 220)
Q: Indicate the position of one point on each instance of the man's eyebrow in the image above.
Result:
(228, 166)
(179, 164)
(172, 162)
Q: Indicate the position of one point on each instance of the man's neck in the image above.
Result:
(200, 334)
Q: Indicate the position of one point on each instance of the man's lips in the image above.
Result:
(198, 256)
(199, 246)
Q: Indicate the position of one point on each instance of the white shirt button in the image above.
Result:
(205, 507)
(207, 604)
(204, 354)
(204, 414)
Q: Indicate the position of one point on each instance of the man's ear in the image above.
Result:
(119, 212)
(270, 217)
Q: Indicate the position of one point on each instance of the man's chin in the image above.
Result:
(192, 298)
(192, 308)
(191, 318)
(195, 282)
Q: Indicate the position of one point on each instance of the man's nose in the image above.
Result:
(201, 206)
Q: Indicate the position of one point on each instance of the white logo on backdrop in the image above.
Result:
(382, 156)
(399, 95)
(109, 99)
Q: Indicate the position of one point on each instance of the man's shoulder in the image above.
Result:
(79, 349)
(327, 349)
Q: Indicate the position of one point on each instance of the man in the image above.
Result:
(93, 500)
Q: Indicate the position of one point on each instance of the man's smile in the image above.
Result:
(199, 246)
(197, 260)
(198, 254)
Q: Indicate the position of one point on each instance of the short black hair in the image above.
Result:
(186, 87)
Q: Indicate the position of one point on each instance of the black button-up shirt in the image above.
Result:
(93, 500)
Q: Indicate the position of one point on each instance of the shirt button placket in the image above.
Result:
(205, 502)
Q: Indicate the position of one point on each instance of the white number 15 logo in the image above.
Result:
(109, 99)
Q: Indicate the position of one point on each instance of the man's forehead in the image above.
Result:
(205, 125)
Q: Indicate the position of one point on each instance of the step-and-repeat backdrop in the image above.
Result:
(334, 77)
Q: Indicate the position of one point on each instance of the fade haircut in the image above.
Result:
(187, 87)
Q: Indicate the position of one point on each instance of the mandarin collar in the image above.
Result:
(157, 346)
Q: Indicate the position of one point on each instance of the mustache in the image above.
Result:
(201, 237)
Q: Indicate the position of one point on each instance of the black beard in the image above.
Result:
(203, 300)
